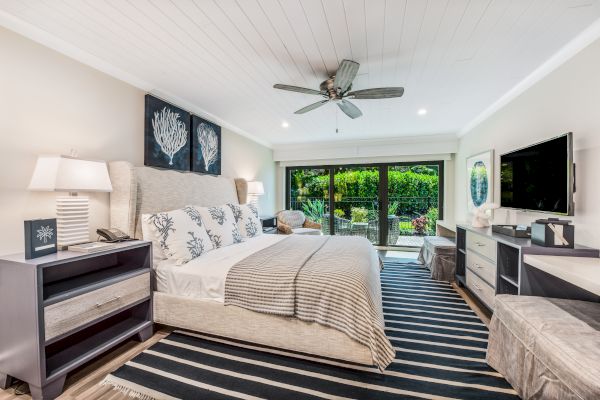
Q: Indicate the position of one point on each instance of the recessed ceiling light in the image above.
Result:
(422, 111)
(284, 124)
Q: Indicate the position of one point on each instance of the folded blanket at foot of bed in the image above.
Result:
(331, 280)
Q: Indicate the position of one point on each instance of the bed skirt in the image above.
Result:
(236, 323)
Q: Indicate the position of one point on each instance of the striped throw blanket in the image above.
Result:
(331, 280)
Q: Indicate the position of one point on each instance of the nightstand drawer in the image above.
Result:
(482, 245)
(485, 292)
(482, 267)
(67, 315)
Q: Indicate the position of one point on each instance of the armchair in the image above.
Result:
(289, 221)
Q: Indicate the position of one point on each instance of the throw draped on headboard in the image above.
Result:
(142, 190)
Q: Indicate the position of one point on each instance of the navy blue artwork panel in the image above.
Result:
(166, 135)
(206, 146)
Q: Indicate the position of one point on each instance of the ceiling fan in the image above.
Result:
(337, 89)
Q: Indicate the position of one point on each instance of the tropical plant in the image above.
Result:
(406, 226)
(359, 214)
(393, 207)
(339, 213)
(420, 224)
(314, 209)
(432, 217)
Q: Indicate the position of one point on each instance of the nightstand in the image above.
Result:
(62, 310)
(269, 225)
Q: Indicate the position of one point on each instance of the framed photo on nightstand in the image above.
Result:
(40, 237)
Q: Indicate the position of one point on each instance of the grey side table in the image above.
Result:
(62, 310)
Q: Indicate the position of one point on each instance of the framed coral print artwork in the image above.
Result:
(166, 135)
(480, 179)
(206, 146)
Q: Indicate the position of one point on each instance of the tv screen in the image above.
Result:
(539, 177)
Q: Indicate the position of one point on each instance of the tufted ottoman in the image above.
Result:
(438, 254)
(546, 348)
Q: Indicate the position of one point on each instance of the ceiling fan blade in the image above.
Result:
(377, 93)
(349, 109)
(345, 74)
(311, 107)
(296, 89)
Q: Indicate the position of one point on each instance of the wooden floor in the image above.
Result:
(84, 383)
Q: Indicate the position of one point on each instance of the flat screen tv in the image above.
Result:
(539, 177)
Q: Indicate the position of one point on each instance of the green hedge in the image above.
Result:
(414, 182)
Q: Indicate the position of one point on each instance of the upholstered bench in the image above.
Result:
(438, 254)
(546, 348)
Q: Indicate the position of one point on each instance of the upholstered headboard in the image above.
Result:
(141, 190)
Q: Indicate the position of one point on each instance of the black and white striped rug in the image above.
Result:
(440, 345)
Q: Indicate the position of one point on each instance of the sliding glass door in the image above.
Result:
(356, 202)
(389, 204)
(414, 196)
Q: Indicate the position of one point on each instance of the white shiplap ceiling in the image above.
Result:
(454, 57)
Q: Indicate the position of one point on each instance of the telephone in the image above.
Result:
(113, 235)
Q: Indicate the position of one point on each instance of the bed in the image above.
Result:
(185, 298)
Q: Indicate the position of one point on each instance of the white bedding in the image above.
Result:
(204, 277)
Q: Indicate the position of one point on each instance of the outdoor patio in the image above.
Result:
(410, 241)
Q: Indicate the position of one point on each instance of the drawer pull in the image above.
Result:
(116, 298)
(480, 244)
(476, 286)
(477, 266)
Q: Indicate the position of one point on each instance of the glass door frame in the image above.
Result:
(383, 201)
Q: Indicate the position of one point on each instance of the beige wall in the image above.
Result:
(566, 100)
(50, 104)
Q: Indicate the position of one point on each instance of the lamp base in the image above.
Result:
(253, 199)
(72, 220)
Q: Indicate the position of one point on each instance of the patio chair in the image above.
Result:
(393, 229)
(295, 222)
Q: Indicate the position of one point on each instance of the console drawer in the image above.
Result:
(69, 314)
(482, 267)
(482, 245)
(485, 292)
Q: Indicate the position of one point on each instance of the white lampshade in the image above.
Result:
(256, 188)
(67, 174)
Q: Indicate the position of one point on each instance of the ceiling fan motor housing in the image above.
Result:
(331, 91)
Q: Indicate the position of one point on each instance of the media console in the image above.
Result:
(488, 263)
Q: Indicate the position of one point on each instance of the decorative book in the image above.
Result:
(91, 247)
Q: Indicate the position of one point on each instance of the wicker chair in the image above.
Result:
(393, 229)
(295, 222)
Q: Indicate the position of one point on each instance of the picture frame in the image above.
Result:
(480, 180)
(206, 146)
(40, 237)
(166, 135)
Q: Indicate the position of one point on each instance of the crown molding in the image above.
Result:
(568, 51)
(47, 39)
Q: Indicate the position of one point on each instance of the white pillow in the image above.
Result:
(180, 233)
(148, 234)
(246, 217)
(220, 225)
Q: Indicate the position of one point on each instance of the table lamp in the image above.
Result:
(57, 173)
(255, 189)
